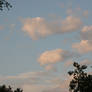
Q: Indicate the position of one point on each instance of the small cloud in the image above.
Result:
(83, 47)
(53, 56)
(71, 24)
(86, 33)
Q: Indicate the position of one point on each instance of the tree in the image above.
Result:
(5, 4)
(81, 82)
(18, 90)
(3, 88)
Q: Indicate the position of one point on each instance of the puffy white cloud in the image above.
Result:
(53, 56)
(39, 27)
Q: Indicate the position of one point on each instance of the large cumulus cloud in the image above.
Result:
(39, 27)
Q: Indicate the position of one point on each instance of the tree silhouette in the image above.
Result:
(5, 4)
(18, 90)
(81, 82)
(3, 88)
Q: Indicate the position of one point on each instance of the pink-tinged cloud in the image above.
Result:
(39, 27)
(71, 24)
(83, 47)
(53, 56)
(61, 85)
(86, 33)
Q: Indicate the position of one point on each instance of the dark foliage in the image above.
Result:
(18, 90)
(3, 88)
(81, 82)
(5, 4)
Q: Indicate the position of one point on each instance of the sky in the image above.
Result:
(40, 40)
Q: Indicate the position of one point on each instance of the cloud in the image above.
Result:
(85, 45)
(86, 33)
(53, 56)
(60, 85)
(42, 88)
(70, 24)
(33, 81)
(30, 83)
(31, 78)
(36, 27)
(30, 75)
(39, 27)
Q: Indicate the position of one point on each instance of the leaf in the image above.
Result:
(83, 67)
(70, 73)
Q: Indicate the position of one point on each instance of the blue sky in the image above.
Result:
(43, 38)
